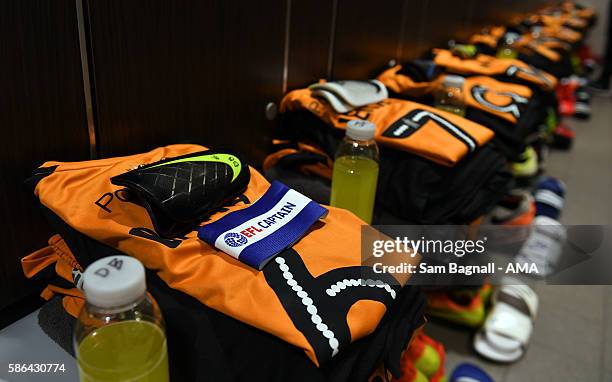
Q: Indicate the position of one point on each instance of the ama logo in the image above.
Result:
(234, 239)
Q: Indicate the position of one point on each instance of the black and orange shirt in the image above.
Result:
(495, 67)
(293, 298)
(488, 38)
(561, 33)
(526, 44)
(566, 21)
(530, 45)
(504, 100)
(441, 137)
(64, 280)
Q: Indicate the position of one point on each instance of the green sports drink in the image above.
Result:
(460, 111)
(507, 52)
(354, 185)
(124, 351)
(119, 335)
(507, 48)
(355, 172)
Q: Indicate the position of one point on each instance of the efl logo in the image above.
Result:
(234, 239)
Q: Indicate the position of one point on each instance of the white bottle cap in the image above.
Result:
(114, 281)
(360, 130)
(511, 37)
(452, 81)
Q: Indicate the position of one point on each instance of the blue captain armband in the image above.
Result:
(254, 235)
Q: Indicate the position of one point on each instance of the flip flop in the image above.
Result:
(466, 372)
(582, 110)
(544, 245)
(507, 329)
(582, 95)
(549, 197)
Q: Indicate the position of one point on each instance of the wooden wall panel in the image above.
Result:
(500, 12)
(310, 32)
(367, 36)
(189, 71)
(413, 29)
(445, 20)
(42, 117)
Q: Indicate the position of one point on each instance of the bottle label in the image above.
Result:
(256, 234)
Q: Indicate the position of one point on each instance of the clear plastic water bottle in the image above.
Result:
(119, 335)
(507, 48)
(355, 172)
(449, 95)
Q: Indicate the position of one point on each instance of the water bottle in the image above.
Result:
(119, 335)
(356, 170)
(449, 96)
(507, 48)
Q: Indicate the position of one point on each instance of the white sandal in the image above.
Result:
(507, 329)
(544, 245)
